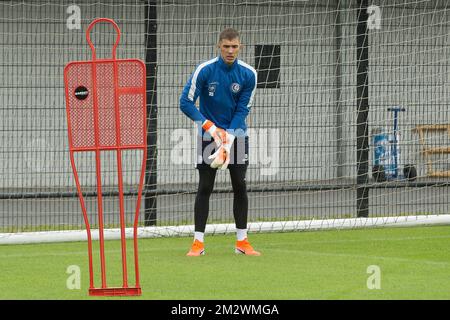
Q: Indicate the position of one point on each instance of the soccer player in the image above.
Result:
(226, 87)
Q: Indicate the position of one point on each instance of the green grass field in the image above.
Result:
(414, 263)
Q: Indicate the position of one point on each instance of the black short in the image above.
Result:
(239, 152)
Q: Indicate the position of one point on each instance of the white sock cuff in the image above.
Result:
(241, 234)
(199, 236)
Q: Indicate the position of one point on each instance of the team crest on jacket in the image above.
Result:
(235, 87)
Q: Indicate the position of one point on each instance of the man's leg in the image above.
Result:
(240, 209)
(205, 147)
(201, 206)
(240, 200)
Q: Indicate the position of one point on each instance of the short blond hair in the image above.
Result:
(229, 34)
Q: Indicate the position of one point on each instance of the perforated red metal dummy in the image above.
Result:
(106, 111)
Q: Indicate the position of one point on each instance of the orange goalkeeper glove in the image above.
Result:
(217, 134)
(222, 155)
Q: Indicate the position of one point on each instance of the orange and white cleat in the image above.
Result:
(197, 249)
(244, 247)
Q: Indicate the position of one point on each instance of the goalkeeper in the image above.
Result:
(226, 87)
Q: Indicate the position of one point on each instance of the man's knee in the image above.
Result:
(240, 187)
(205, 189)
(206, 183)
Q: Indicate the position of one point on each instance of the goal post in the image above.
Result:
(229, 228)
(323, 142)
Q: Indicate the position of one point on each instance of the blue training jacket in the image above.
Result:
(226, 93)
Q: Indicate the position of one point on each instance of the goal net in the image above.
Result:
(350, 126)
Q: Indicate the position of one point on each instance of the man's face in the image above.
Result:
(229, 49)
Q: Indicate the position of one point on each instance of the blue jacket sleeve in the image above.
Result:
(245, 103)
(190, 94)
